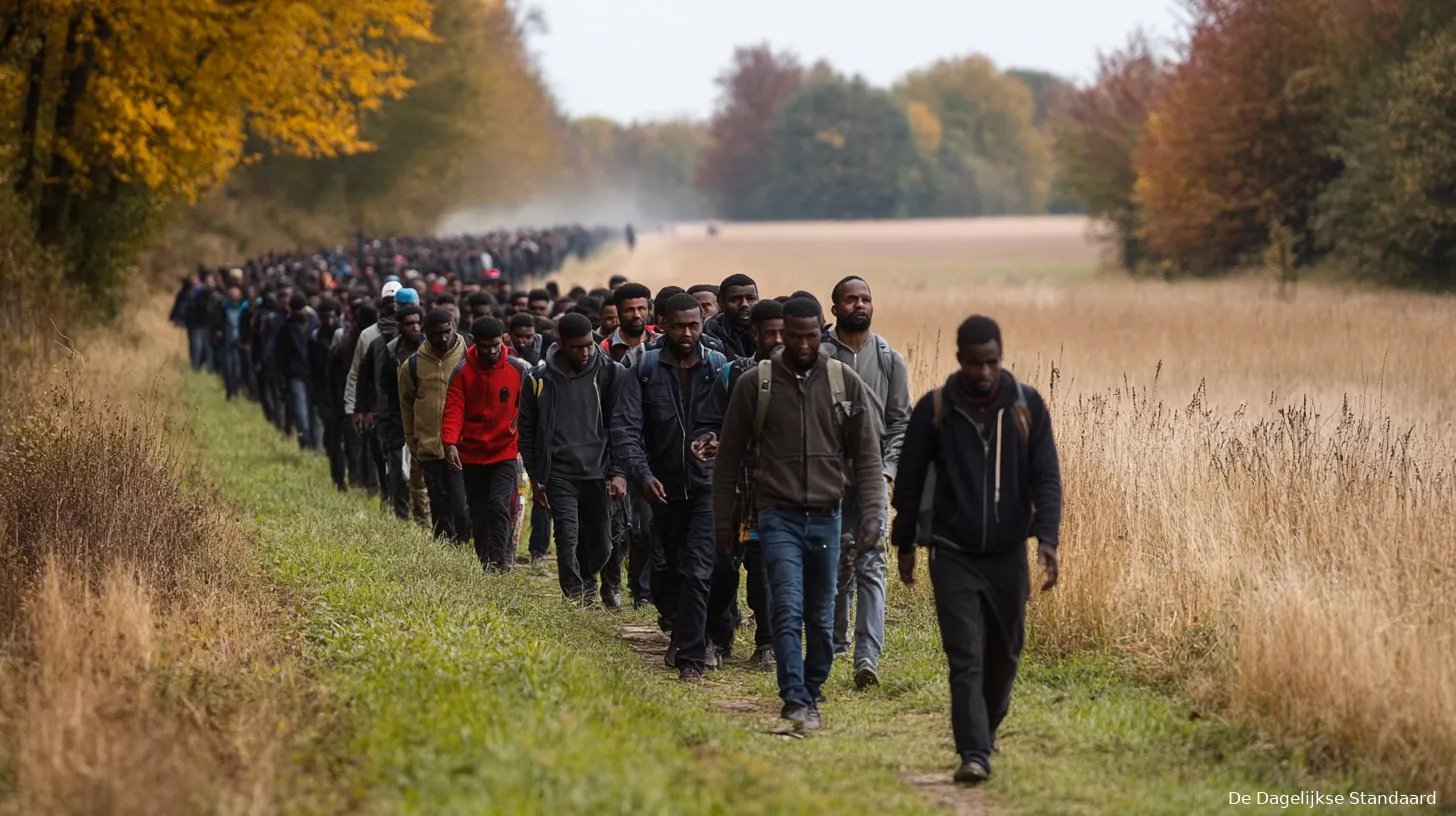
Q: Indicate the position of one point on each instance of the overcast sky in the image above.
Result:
(651, 59)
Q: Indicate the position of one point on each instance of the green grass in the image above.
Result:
(449, 691)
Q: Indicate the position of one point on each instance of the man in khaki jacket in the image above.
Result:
(424, 380)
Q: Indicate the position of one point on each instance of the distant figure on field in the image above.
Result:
(631, 238)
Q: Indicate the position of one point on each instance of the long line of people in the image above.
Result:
(694, 437)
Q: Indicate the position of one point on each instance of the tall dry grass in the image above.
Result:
(1260, 492)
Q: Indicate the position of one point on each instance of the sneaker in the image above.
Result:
(972, 772)
(538, 562)
(795, 713)
(865, 677)
(763, 659)
(640, 603)
(670, 659)
(688, 674)
(612, 600)
(714, 660)
(812, 721)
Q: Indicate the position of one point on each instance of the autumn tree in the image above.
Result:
(735, 164)
(1096, 135)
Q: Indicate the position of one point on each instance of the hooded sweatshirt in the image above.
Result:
(481, 408)
(422, 396)
(570, 425)
(883, 371)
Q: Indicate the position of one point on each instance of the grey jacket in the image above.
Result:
(884, 373)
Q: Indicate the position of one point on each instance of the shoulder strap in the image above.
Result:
(1021, 413)
(765, 386)
(887, 356)
(413, 364)
(717, 361)
(646, 363)
(837, 390)
(937, 411)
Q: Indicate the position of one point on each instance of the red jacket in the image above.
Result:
(481, 408)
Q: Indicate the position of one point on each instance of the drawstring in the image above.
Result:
(997, 504)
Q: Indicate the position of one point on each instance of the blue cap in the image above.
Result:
(406, 295)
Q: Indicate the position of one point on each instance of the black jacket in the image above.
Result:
(733, 341)
(538, 416)
(967, 513)
(666, 429)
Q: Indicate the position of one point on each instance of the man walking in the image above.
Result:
(479, 431)
(572, 441)
(291, 350)
(862, 568)
(807, 416)
(675, 387)
(979, 476)
(423, 381)
(372, 455)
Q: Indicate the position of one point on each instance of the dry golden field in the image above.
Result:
(1261, 502)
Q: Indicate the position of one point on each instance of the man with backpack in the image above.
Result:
(675, 387)
(862, 568)
(574, 436)
(424, 381)
(979, 476)
(806, 415)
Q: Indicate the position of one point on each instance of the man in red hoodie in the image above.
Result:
(479, 432)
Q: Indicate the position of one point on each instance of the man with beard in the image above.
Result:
(731, 328)
(330, 415)
(862, 567)
(292, 359)
(574, 437)
(805, 413)
(675, 388)
(479, 432)
(525, 342)
(633, 303)
(768, 337)
(979, 475)
(424, 380)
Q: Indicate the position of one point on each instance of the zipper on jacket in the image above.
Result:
(804, 430)
(985, 473)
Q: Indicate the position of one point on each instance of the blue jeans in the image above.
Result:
(302, 413)
(862, 583)
(801, 557)
(199, 347)
(232, 370)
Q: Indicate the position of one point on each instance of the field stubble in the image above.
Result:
(1260, 495)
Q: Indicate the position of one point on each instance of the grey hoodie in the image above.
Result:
(883, 371)
(578, 440)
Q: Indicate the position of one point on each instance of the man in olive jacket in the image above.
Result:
(424, 380)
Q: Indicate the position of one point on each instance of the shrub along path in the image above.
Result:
(450, 691)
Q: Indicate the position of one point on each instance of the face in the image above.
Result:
(299, 315)
(683, 330)
(328, 321)
(386, 307)
(854, 309)
(981, 365)
(540, 308)
(410, 327)
(490, 349)
(609, 318)
(519, 304)
(477, 312)
(453, 310)
(523, 338)
(738, 303)
(801, 340)
(577, 351)
(632, 316)
(234, 294)
(709, 302)
(767, 336)
(440, 336)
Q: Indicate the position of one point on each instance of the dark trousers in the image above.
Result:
(683, 533)
(982, 629)
(583, 533)
(353, 452)
(446, 487)
(639, 547)
(398, 494)
(375, 470)
(490, 490)
(540, 542)
(723, 614)
(334, 447)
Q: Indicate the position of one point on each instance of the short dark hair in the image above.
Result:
(298, 302)
(521, 320)
(486, 328)
(591, 305)
(518, 294)
(739, 279)
(444, 298)
(538, 294)
(601, 293)
(766, 310)
(554, 288)
(576, 293)
(328, 305)
(438, 317)
(480, 299)
(839, 287)
(804, 295)
(659, 303)
(572, 326)
(703, 287)
(406, 311)
(365, 315)
(616, 280)
(978, 330)
(681, 302)
(631, 291)
(801, 307)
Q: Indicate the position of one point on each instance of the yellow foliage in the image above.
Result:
(926, 127)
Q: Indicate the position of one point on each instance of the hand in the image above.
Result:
(357, 420)
(705, 447)
(538, 494)
(368, 419)
(907, 567)
(1046, 555)
(452, 455)
(869, 536)
(616, 487)
(656, 493)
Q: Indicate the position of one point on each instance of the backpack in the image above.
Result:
(413, 364)
(717, 361)
(843, 409)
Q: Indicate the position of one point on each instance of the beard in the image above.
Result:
(857, 322)
(634, 328)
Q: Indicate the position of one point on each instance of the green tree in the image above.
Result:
(841, 149)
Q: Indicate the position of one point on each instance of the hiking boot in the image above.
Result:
(795, 713)
(670, 659)
(812, 720)
(865, 677)
(763, 659)
(973, 771)
(688, 674)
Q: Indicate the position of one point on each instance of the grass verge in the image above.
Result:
(460, 692)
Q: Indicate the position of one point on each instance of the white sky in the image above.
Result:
(651, 59)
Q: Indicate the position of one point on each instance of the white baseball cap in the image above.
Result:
(390, 289)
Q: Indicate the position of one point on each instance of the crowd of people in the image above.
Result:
(677, 443)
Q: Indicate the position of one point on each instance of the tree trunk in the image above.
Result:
(35, 85)
(55, 200)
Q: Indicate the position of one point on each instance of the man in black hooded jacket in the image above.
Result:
(978, 477)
